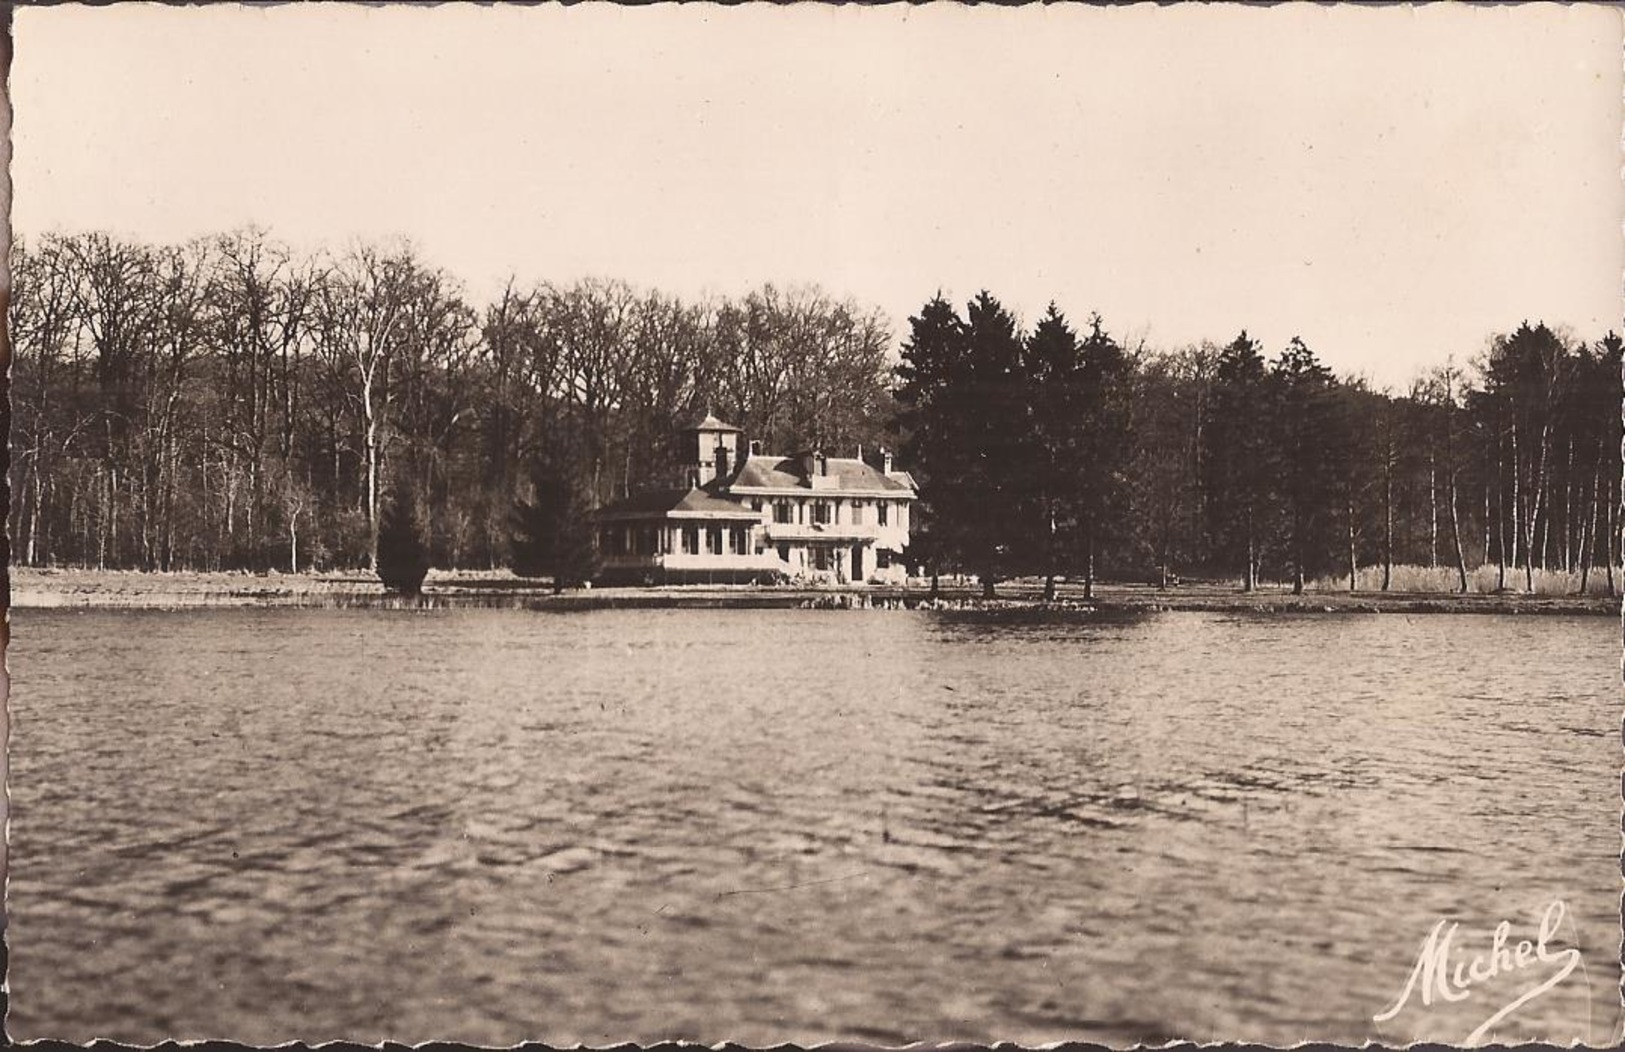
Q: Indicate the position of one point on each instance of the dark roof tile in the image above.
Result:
(674, 500)
(851, 474)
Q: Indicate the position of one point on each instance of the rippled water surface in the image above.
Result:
(763, 826)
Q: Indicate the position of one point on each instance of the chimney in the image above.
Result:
(755, 447)
(885, 461)
(822, 462)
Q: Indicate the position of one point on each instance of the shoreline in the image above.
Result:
(35, 589)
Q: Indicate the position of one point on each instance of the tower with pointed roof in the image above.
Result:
(714, 449)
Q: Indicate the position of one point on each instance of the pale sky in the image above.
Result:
(1391, 184)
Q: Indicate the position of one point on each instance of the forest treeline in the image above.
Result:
(229, 403)
(1055, 452)
(232, 403)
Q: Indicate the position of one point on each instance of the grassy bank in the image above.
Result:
(88, 588)
(1441, 579)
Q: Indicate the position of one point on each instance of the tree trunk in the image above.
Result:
(1388, 519)
(75, 518)
(1588, 534)
(1049, 552)
(1433, 511)
(1455, 534)
(1541, 527)
(1297, 552)
(1518, 502)
(1500, 521)
(251, 514)
(1609, 538)
(1539, 517)
(169, 505)
(33, 511)
(203, 487)
(1354, 566)
(41, 552)
(110, 547)
(1249, 579)
(228, 541)
(372, 493)
(1452, 471)
(1568, 554)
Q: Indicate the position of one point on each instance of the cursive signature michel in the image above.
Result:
(1442, 974)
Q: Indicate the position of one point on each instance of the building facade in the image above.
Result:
(754, 517)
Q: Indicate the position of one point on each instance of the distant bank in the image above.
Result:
(90, 589)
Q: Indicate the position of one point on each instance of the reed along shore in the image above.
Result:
(33, 588)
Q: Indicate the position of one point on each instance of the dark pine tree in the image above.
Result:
(551, 533)
(1307, 439)
(1107, 416)
(1057, 466)
(963, 409)
(992, 427)
(1236, 454)
(924, 421)
(403, 552)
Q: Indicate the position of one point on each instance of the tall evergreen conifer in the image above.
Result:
(403, 552)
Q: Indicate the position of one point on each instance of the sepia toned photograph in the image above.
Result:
(820, 525)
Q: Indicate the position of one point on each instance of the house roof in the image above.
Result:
(905, 478)
(669, 502)
(775, 473)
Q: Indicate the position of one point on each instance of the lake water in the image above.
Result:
(878, 827)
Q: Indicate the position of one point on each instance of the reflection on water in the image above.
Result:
(880, 827)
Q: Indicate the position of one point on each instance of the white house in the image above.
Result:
(760, 518)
